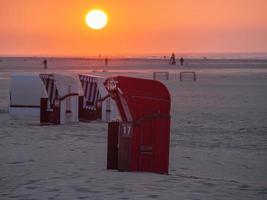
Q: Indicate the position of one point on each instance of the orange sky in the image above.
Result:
(57, 27)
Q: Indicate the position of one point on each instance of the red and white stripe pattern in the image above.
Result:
(91, 92)
(49, 82)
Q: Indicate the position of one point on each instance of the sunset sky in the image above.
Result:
(58, 28)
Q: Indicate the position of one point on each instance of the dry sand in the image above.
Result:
(218, 145)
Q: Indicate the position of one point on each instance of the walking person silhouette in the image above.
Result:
(182, 61)
(172, 59)
(45, 63)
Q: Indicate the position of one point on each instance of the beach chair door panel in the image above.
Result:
(146, 147)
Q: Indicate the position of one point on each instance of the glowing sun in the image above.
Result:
(96, 19)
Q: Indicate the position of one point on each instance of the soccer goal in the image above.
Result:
(187, 75)
(161, 75)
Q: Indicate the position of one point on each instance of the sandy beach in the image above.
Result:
(218, 137)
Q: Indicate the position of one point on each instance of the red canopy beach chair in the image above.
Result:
(140, 141)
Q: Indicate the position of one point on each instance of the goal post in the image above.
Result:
(161, 75)
(187, 73)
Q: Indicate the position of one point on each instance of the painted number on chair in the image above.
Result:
(126, 130)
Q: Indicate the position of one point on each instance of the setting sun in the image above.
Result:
(96, 19)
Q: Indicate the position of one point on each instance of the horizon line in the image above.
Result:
(130, 55)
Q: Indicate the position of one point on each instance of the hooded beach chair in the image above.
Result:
(61, 103)
(95, 104)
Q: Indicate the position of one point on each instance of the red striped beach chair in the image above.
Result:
(61, 105)
(89, 105)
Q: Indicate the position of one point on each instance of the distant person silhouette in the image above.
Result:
(45, 63)
(106, 61)
(172, 59)
(182, 61)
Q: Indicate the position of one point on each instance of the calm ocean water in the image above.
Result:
(215, 61)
